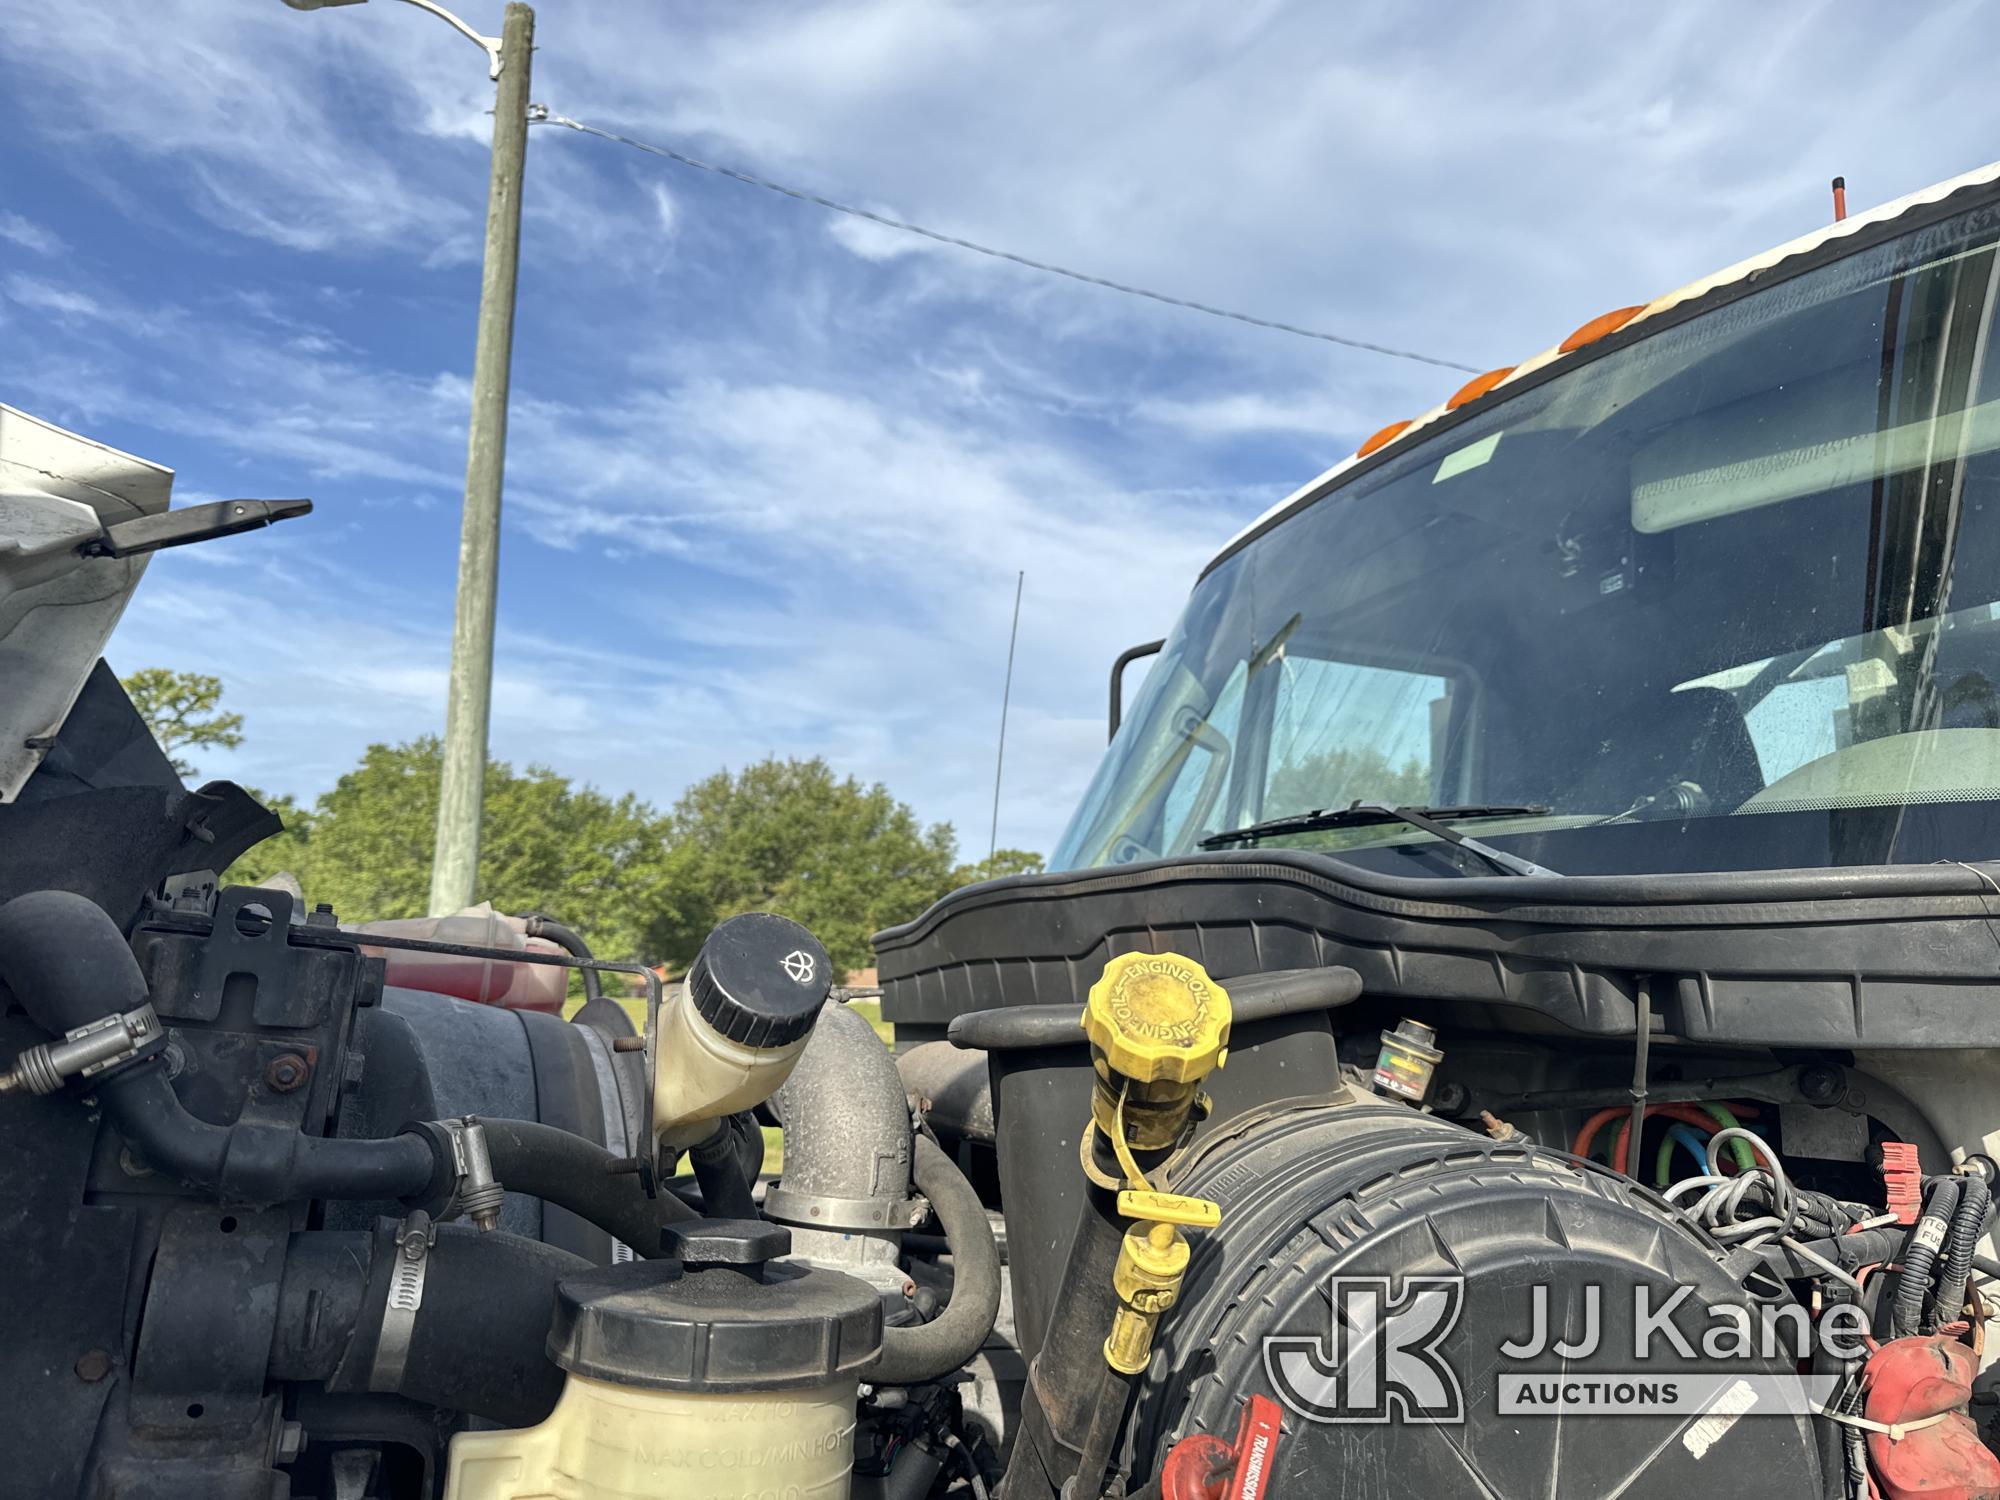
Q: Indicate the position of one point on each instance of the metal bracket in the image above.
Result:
(415, 1240)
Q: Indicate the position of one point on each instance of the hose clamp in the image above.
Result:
(475, 1191)
(416, 1237)
(823, 1211)
(86, 1051)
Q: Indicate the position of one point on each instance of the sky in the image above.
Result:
(772, 472)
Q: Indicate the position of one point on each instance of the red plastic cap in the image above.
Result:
(1201, 1466)
(1902, 1181)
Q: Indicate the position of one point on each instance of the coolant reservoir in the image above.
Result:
(726, 1375)
(490, 981)
(731, 1034)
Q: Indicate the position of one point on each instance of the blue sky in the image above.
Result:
(771, 472)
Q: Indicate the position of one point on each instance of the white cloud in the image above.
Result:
(664, 208)
(29, 235)
(47, 297)
(872, 241)
(1244, 412)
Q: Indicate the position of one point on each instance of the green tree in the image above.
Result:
(1334, 778)
(1004, 862)
(792, 837)
(592, 860)
(783, 835)
(284, 850)
(183, 709)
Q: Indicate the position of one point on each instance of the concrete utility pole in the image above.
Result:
(462, 794)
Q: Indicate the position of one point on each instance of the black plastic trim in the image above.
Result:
(1900, 956)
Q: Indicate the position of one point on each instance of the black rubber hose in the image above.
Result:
(1254, 997)
(927, 1351)
(66, 963)
(1848, 1251)
(724, 1169)
(1968, 1223)
(479, 1342)
(566, 938)
(256, 1163)
(1913, 1282)
(578, 1175)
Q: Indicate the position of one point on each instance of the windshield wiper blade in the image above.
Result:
(1432, 820)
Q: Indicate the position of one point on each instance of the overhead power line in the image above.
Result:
(541, 114)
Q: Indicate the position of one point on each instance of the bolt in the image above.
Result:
(1450, 1099)
(628, 1044)
(285, 1072)
(93, 1366)
(1821, 1084)
(130, 1165)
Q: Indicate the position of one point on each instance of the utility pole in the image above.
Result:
(462, 792)
(1006, 692)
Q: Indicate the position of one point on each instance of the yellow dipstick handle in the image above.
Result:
(1151, 1262)
(1152, 1259)
(1169, 1208)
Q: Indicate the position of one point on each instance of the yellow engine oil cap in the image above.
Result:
(1157, 1016)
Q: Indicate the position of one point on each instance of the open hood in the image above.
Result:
(58, 492)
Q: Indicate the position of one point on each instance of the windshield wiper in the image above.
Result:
(1432, 820)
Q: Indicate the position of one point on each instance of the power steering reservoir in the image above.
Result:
(721, 1374)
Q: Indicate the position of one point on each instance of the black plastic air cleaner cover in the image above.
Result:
(1318, 1196)
(760, 979)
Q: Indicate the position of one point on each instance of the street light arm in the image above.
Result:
(490, 45)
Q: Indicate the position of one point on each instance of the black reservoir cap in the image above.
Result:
(760, 979)
(721, 1318)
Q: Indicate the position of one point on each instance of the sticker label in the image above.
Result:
(1726, 1413)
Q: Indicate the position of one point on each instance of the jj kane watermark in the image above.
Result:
(1384, 1356)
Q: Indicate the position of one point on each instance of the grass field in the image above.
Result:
(774, 1138)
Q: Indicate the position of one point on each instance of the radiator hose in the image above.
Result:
(477, 1340)
(930, 1350)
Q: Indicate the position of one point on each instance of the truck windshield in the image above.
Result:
(1721, 598)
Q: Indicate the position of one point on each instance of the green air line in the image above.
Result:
(1746, 1158)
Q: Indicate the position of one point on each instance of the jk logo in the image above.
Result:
(1380, 1358)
